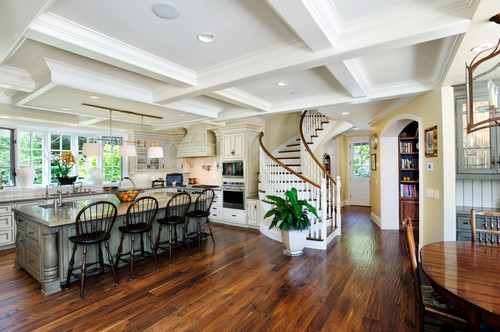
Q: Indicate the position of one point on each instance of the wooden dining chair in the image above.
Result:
(490, 234)
(201, 213)
(428, 302)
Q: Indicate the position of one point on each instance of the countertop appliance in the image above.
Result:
(232, 169)
(175, 177)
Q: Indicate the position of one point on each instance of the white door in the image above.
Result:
(359, 171)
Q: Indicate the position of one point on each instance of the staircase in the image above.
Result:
(293, 164)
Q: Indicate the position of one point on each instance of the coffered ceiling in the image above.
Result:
(362, 57)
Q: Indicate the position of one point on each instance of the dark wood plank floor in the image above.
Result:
(245, 283)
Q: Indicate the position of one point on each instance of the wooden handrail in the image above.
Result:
(282, 165)
(309, 150)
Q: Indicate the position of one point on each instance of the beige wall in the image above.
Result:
(437, 217)
(280, 128)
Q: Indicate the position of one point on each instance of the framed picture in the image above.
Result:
(373, 162)
(431, 142)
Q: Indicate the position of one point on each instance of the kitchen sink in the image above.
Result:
(64, 204)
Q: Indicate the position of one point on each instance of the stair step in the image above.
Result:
(262, 191)
(288, 181)
(292, 157)
(289, 151)
(267, 201)
(329, 231)
(292, 165)
(295, 144)
(283, 172)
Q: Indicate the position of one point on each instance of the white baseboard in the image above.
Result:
(376, 219)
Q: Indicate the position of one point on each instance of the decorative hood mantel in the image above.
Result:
(198, 142)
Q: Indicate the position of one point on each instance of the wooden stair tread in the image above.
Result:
(289, 151)
(291, 157)
(329, 231)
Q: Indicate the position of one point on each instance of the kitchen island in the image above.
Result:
(43, 248)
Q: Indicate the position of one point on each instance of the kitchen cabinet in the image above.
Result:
(216, 209)
(234, 216)
(7, 227)
(169, 163)
(478, 153)
(233, 146)
(253, 213)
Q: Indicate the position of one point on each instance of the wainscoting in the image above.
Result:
(478, 193)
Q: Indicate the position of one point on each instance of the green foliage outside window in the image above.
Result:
(361, 160)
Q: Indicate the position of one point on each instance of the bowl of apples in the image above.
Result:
(127, 195)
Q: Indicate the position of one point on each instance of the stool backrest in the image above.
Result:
(204, 200)
(490, 226)
(142, 211)
(96, 218)
(178, 206)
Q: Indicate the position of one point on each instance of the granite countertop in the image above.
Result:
(462, 209)
(66, 214)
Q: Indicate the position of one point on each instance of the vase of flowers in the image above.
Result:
(65, 163)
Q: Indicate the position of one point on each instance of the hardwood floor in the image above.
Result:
(245, 283)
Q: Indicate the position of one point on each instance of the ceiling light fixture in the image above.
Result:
(165, 9)
(206, 37)
(94, 97)
(282, 83)
(64, 109)
(5, 117)
(297, 92)
(345, 113)
(481, 47)
(355, 128)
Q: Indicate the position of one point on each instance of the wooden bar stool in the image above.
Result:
(139, 220)
(202, 212)
(175, 214)
(93, 227)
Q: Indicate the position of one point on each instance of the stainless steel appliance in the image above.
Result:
(232, 169)
(233, 195)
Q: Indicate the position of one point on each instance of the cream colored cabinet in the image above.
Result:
(216, 209)
(253, 215)
(234, 216)
(233, 146)
(7, 227)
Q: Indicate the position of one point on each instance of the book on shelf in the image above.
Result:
(409, 163)
(409, 191)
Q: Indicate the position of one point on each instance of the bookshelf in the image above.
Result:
(409, 188)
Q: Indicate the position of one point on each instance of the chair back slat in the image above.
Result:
(410, 239)
(204, 200)
(142, 211)
(490, 231)
(96, 218)
(178, 206)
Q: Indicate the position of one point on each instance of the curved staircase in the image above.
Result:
(293, 164)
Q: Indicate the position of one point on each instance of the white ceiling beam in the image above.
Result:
(58, 32)
(15, 17)
(195, 107)
(315, 22)
(16, 79)
(352, 75)
(241, 98)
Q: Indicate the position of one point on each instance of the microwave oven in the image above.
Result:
(232, 169)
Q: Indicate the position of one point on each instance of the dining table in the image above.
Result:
(468, 275)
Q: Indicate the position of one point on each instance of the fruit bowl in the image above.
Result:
(127, 195)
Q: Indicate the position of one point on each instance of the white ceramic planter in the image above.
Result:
(294, 241)
(97, 176)
(25, 176)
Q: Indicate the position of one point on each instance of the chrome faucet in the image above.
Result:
(1, 180)
(75, 189)
(47, 189)
(59, 202)
(126, 178)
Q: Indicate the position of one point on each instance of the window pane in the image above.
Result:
(25, 140)
(66, 142)
(7, 156)
(37, 139)
(55, 142)
(81, 140)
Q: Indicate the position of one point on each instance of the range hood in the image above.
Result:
(198, 142)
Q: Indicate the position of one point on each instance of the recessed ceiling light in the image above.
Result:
(73, 125)
(122, 130)
(165, 9)
(5, 117)
(64, 109)
(206, 37)
(181, 114)
(345, 113)
(297, 92)
(355, 128)
(481, 47)
(94, 97)
(282, 83)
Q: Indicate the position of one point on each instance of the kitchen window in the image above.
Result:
(86, 165)
(58, 144)
(7, 156)
(31, 153)
(111, 160)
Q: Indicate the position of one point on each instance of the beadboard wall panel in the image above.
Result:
(478, 193)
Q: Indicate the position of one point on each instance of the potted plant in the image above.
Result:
(291, 217)
(65, 163)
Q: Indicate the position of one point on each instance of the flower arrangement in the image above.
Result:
(66, 161)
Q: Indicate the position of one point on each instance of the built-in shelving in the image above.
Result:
(409, 184)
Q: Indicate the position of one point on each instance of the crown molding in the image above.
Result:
(195, 107)
(59, 32)
(352, 75)
(242, 98)
(445, 51)
(326, 17)
(16, 79)
(392, 108)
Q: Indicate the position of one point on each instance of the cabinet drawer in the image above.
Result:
(234, 215)
(6, 236)
(216, 215)
(33, 261)
(5, 221)
(5, 209)
(463, 222)
(32, 232)
(31, 245)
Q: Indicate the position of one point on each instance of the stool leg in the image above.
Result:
(184, 232)
(210, 228)
(82, 278)
(170, 244)
(158, 239)
(199, 234)
(142, 248)
(106, 244)
(132, 256)
(153, 251)
(70, 268)
(101, 259)
(118, 255)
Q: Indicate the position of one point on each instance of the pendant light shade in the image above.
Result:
(128, 151)
(92, 149)
(155, 151)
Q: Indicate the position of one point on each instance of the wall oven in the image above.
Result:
(233, 195)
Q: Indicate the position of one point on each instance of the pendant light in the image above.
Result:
(127, 151)
(155, 151)
(92, 149)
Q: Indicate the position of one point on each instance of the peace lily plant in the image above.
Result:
(291, 217)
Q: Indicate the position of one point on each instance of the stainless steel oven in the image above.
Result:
(233, 195)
